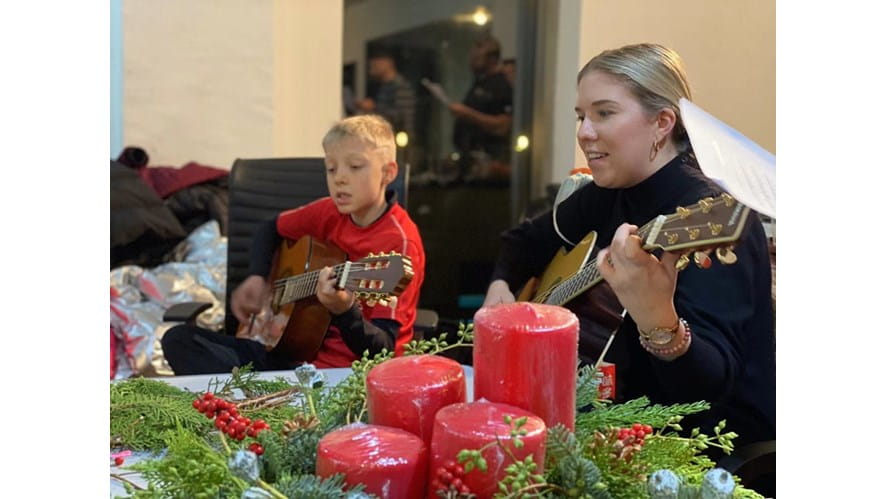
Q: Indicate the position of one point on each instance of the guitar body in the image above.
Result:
(297, 329)
(563, 265)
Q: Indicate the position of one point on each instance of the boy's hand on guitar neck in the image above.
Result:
(644, 284)
(248, 298)
(337, 301)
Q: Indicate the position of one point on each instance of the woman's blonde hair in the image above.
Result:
(370, 128)
(654, 74)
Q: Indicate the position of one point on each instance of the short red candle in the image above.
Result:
(525, 354)
(392, 463)
(406, 392)
(475, 424)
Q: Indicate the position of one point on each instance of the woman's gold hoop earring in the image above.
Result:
(655, 149)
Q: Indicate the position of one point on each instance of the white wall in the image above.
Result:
(728, 47)
(307, 74)
(214, 80)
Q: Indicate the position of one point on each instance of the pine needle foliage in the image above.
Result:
(638, 410)
(247, 381)
(588, 380)
(569, 469)
(312, 487)
(291, 455)
(347, 403)
(142, 409)
(190, 469)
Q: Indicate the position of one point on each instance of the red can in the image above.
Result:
(607, 388)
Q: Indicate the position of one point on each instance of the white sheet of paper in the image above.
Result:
(437, 91)
(743, 168)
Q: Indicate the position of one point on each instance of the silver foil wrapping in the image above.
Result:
(139, 298)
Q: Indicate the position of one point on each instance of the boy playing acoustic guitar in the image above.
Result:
(359, 217)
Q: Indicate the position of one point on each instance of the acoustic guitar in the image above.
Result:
(293, 322)
(712, 223)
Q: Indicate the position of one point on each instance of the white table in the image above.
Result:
(199, 383)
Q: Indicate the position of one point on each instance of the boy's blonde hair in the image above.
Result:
(370, 128)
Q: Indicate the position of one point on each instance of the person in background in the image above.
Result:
(482, 129)
(509, 69)
(359, 217)
(697, 334)
(395, 99)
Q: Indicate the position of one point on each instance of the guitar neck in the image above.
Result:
(295, 288)
(585, 278)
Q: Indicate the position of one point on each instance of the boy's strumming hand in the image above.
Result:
(247, 298)
(337, 301)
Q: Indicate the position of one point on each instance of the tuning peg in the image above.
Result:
(701, 259)
(728, 200)
(682, 262)
(706, 204)
(726, 255)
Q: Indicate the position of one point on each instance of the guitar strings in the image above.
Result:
(314, 274)
(588, 274)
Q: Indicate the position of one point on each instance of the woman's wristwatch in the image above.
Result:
(656, 339)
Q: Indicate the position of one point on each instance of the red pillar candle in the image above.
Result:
(406, 392)
(525, 354)
(392, 463)
(472, 426)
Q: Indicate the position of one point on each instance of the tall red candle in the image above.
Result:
(406, 392)
(475, 424)
(392, 463)
(525, 354)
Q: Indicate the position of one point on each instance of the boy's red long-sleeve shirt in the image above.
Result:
(393, 231)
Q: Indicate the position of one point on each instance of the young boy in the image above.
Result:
(359, 217)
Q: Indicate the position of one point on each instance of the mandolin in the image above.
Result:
(293, 322)
(713, 223)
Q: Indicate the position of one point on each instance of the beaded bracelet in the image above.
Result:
(659, 352)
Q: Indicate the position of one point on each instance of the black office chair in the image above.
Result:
(258, 190)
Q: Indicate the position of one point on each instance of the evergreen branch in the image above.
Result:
(313, 487)
(436, 345)
(588, 382)
(190, 469)
(124, 480)
(142, 409)
(247, 381)
(274, 399)
(634, 411)
(346, 402)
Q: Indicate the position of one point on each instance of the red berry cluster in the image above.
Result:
(448, 477)
(635, 434)
(229, 421)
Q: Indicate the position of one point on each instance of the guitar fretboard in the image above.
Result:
(295, 288)
(586, 278)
